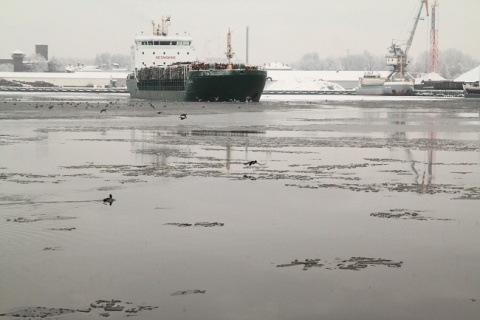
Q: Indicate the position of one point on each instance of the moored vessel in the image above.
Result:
(166, 69)
(471, 90)
(373, 84)
(399, 82)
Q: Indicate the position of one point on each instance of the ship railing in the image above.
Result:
(177, 72)
(202, 66)
(162, 85)
(180, 70)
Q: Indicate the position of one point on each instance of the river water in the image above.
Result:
(356, 208)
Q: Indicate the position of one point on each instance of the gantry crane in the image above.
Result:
(398, 57)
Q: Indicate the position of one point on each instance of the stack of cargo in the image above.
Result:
(174, 77)
(171, 78)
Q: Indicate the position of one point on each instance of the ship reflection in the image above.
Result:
(205, 133)
(424, 176)
(163, 154)
(398, 120)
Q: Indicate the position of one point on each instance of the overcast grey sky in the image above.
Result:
(280, 30)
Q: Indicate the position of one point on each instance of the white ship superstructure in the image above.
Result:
(162, 49)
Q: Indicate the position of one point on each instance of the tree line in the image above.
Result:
(104, 61)
(452, 63)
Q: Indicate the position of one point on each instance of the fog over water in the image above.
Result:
(279, 30)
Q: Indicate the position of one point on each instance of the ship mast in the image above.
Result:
(161, 30)
(229, 52)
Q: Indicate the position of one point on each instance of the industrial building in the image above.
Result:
(17, 57)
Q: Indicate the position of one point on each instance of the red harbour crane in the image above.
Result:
(433, 67)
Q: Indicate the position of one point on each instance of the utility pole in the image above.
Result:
(433, 67)
(246, 54)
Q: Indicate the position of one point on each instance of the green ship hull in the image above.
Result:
(203, 85)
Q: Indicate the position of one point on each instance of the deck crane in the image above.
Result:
(397, 57)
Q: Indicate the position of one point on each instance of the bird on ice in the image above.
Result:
(183, 116)
(108, 200)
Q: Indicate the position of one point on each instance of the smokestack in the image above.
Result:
(42, 49)
(246, 55)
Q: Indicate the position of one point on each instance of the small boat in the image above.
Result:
(374, 84)
(471, 90)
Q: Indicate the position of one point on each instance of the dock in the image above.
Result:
(421, 93)
(64, 89)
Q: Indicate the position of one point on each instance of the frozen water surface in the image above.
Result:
(355, 209)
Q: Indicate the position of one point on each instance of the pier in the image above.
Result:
(64, 89)
(422, 93)
(310, 92)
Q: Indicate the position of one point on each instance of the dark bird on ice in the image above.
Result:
(108, 200)
(151, 105)
(103, 110)
(183, 116)
(251, 162)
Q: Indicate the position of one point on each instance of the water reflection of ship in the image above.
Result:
(427, 177)
(398, 119)
(431, 157)
(224, 133)
(150, 146)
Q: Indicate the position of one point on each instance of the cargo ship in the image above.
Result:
(166, 68)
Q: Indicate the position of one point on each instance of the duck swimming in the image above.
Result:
(108, 200)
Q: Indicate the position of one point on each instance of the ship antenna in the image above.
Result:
(163, 29)
(165, 24)
(229, 52)
(154, 29)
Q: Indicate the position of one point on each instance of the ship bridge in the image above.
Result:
(161, 49)
(151, 51)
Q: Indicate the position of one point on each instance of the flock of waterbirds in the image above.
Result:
(103, 107)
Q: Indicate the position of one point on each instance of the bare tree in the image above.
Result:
(56, 65)
(364, 61)
(6, 67)
(452, 63)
